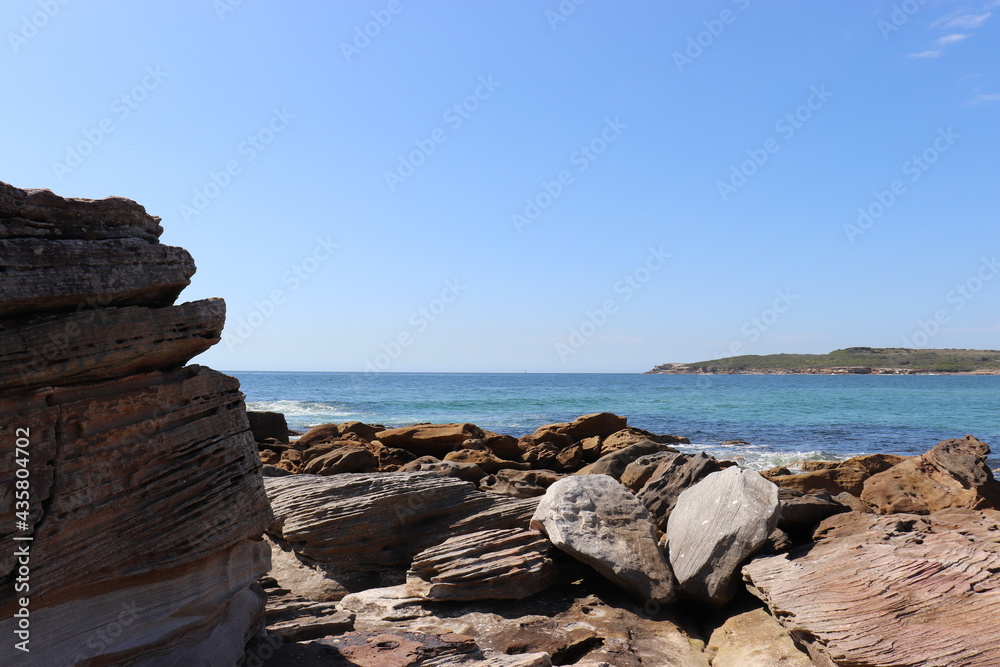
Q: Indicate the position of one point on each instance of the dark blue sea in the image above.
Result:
(785, 418)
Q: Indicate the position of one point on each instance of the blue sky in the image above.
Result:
(541, 186)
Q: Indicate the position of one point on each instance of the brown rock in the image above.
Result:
(670, 478)
(953, 474)
(831, 480)
(872, 464)
(755, 639)
(615, 462)
(641, 470)
(72, 348)
(429, 439)
(342, 460)
(468, 472)
(330, 432)
(488, 462)
(504, 446)
(806, 509)
(42, 276)
(264, 425)
(40, 214)
(520, 483)
(490, 564)
(902, 590)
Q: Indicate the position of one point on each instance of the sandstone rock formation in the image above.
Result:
(716, 525)
(901, 590)
(952, 474)
(373, 521)
(146, 502)
(671, 477)
(429, 439)
(598, 521)
(490, 564)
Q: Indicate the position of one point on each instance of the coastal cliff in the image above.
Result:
(132, 499)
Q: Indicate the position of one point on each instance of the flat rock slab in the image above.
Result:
(42, 214)
(42, 276)
(374, 521)
(489, 564)
(599, 522)
(99, 344)
(901, 590)
(717, 524)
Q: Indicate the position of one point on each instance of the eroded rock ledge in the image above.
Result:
(146, 501)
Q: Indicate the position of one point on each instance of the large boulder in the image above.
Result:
(430, 439)
(671, 477)
(377, 521)
(342, 460)
(490, 564)
(901, 590)
(329, 432)
(715, 526)
(615, 462)
(520, 483)
(954, 474)
(264, 425)
(599, 522)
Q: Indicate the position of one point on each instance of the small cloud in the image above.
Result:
(950, 39)
(983, 98)
(926, 54)
(963, 21)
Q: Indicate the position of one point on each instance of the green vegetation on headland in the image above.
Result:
(850, 360)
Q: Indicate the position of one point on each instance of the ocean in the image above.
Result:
(783, 418)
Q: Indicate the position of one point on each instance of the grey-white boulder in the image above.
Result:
(715, 526)
(599, 522)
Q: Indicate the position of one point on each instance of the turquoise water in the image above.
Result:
(783, 417)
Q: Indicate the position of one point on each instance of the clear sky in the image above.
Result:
(541, 186)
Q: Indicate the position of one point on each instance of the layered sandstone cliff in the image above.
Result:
(144, 505)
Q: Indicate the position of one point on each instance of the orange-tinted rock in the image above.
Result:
(429, 439)
(843, 479)
(520, 483)
(485, 460)
(953, 474)
(342, 460)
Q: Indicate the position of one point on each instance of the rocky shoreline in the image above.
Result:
(149, 520)
(593, 543)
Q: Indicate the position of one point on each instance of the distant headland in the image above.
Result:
(848, 361)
